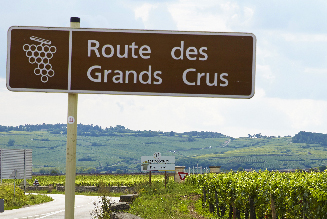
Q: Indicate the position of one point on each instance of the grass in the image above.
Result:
(177, 200)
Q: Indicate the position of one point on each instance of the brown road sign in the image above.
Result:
(139, 62)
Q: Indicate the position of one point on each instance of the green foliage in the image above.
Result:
(33, 199)
(92, 180)
(322, 168)
(11, 142)
(310, 138)
(295, 195)
(102, 209)
(85, 170)
(19, 199)
(49, 171)
(11, 201)
(156, 201)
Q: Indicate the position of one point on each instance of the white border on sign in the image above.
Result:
(121, 92)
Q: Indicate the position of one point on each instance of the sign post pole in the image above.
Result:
(71, 145)
(1, 151)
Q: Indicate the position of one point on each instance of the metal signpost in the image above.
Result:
(158, 163)
(107, 61)
(16, 163)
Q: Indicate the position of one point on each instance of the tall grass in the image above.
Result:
(16, 198)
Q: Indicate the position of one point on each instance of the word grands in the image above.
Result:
(149, 76)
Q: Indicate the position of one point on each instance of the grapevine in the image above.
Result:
(264, 194)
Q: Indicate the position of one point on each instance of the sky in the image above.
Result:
(291, 66)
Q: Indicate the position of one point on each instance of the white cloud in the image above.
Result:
(265, 72)
(305, 113)
(233, 117)
(210, 15)
(322, 71)
(304, 37)
(144, 11)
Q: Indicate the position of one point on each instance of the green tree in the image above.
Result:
(190, 139)
(322, 168)
(11, 142)
(54, 171)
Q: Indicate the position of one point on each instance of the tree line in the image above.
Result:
(95, 131)
(310, 138)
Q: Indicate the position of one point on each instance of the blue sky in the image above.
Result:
(291, 66)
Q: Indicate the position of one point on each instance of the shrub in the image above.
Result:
(12, 200)
(11, 142)
(16, 198)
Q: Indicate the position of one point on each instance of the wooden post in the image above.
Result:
(217, 203)
(272, 206)
(252, 209)
(150, 177)
(165, 179)
(204, 197)
(234, 211)
(71, 145)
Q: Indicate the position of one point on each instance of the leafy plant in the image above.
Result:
(102, 209)
(290, 195)
(19, 199)
(11, 142)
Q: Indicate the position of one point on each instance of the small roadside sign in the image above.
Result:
(14, 175)
(36, 182)
(182, 175)
(157, 163)
(157, 167)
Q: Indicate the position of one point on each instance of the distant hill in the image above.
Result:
(119, 149)
(90, 130)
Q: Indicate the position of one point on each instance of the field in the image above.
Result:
(119, 150)
(92, 180)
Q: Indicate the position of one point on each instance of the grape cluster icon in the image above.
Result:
(41, 54)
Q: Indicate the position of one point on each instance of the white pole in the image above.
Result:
(24, 170)
(71, 145)
(1, 164)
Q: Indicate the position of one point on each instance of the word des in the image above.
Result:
(192, 53)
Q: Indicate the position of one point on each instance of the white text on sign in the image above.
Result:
(97, 74)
